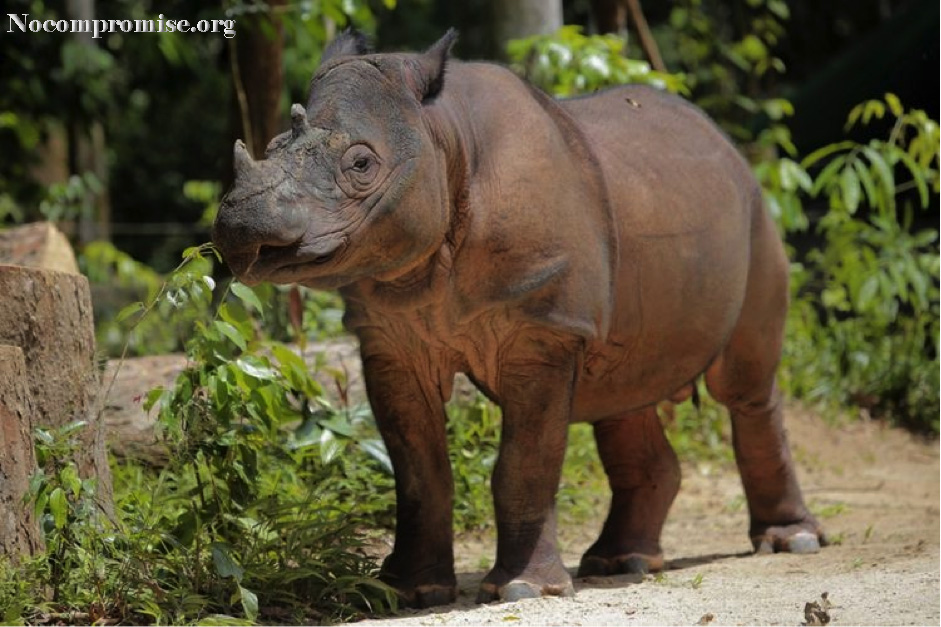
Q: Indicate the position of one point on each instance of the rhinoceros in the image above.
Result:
(578, 260)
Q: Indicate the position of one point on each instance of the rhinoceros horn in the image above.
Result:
(298, 120)
(243, 161)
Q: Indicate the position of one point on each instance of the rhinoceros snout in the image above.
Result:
(253, 215)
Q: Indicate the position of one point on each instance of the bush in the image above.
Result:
(863, 326)
(255, 517)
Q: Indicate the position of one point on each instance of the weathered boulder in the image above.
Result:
(38, 245)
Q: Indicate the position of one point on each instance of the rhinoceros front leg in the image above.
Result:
(411, 419)
(535, 387)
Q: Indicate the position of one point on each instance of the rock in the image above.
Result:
(37, 245)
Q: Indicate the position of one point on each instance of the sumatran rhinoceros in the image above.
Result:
(579, 260)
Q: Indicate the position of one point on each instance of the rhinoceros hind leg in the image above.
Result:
(743, 379)
(644, 475)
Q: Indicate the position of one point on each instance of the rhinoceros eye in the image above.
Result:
(360, 166)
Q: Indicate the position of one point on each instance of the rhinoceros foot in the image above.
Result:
(498, 585)
(420, 588)
(433, 594)
(801, 537)
(628, 564)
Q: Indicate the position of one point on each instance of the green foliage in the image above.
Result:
(118, 279)
(76, 533)
(568, 63)
(474, 443)
(70, 200)
(697, 431)
(256, 515)
(863, 327)
(583, 491)
(728, 59)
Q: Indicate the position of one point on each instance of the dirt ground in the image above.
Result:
(876, 490)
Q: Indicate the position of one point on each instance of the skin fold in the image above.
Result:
(579, 260)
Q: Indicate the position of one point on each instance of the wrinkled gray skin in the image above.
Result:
(580, 260)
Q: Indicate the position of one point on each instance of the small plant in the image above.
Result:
(73, 199)
(77, 534)
(828, 510)
(696, 582)
(568, 63)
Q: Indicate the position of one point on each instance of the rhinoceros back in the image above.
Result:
(684, 202)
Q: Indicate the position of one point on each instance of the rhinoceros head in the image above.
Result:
(356, 188)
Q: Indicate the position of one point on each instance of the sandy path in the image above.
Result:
(876, 489)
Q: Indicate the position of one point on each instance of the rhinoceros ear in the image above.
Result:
(349, 43)
(424, 73)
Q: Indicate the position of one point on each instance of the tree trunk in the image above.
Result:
(647, 42)
(87, 149)
(19, 532)
(258, 77)
(610, 16)
(514, 19)
(48, 315)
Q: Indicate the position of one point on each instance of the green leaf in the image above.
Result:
(849, 186)
(826, 178)
(867, 292)
(895, 105)
(70, 479)
(884, 173)
(249, 603)
(253, 367)
(44, 437)
(873, 108)
(330, 446)
(128, 311)
(376, 449)
(73, 427)
(231, 332)
(826, 151)
(866, 179)
(219, 620)
(59, 507)
(193, 251)
(853, 116)
(246, 295)
(153, 396)
(917, 178)
(225, 565)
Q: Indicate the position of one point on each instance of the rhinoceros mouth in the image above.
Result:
(287, 264)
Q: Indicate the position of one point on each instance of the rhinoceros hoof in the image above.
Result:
(431, 595)
(518, 589)
(803, 537)
(630, 564)
(802, 542)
